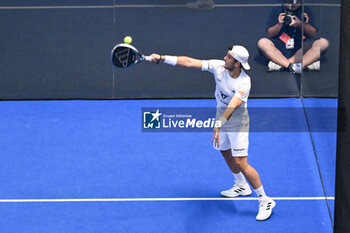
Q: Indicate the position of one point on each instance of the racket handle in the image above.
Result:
(147, 58)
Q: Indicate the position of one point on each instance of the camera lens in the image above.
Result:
(287, 19)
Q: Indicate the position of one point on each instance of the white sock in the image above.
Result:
(260, 193)
(239, 179)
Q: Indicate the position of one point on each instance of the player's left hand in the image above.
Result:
(297, 22)
(216, 137)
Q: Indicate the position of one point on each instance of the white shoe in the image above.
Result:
(236, 191)
(273, 66)
(297, 68)
(314, 66)
(265, 209)
(201, 5)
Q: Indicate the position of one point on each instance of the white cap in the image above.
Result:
(241, 54)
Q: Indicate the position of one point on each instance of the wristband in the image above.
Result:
(170, 60)
(160, 58)
(219, 123)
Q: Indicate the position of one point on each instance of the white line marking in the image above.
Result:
(152, 6)
(322, 4)
(264, 5)
(148, 6)
(51, 7)
(160, 199)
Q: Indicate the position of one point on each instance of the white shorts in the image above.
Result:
(236, 141)
(235, 132)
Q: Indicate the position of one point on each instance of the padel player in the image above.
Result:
(232, 119)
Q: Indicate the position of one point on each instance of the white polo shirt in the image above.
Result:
(226, 86)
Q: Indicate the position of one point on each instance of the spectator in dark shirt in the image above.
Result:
(291, 43)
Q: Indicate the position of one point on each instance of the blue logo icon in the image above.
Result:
(151, 120)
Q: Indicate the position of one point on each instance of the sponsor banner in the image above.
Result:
(159, 119)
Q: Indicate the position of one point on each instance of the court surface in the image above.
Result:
(86, 166)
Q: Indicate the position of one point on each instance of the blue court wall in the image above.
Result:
(60, 49)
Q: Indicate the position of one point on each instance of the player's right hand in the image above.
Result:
(281, 17)
(155, 58)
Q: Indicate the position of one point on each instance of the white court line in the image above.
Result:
(149, 6)
(159, 199)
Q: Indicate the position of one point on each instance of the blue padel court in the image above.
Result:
(87, 166)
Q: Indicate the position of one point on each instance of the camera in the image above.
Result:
(287, 9)
(288, 19)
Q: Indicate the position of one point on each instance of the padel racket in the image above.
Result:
(125, 56)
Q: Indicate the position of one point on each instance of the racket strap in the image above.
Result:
(160, 58)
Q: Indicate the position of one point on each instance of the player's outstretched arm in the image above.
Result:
(177, 60)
